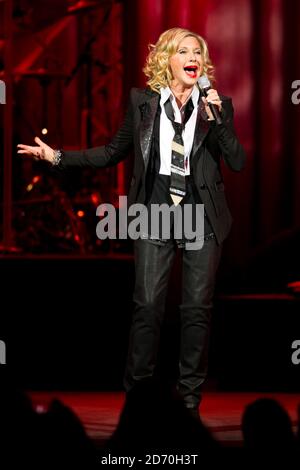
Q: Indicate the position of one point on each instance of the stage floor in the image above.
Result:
(221, 412)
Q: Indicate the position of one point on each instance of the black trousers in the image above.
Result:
(153, 264)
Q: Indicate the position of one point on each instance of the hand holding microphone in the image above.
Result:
(213, 104)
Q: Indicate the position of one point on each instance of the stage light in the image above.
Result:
(80, 213)
(34, 181)
(44, 131)
(95, 198)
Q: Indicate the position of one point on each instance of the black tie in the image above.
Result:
(177, 183)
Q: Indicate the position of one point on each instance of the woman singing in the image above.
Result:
(178, 147)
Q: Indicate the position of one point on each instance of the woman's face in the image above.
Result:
(187, 63)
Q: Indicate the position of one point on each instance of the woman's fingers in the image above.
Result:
(28, 149)
(210, 99)
(213, 98)
(46, 152)
(212, 93)
(40, 142)
(22, 146)
(207, 108)
(42, 152)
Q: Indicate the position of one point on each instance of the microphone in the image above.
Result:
(204, 84)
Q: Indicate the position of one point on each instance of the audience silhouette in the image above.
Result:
(153, 420)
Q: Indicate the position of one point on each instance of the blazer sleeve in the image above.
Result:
(106, 155)
(231, 149)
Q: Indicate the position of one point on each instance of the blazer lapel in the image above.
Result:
(201, 129)
(148, 111)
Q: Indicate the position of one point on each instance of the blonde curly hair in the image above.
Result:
(157, 67)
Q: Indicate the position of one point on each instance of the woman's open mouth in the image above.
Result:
(191, 71)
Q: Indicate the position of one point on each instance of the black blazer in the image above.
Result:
(211, 142)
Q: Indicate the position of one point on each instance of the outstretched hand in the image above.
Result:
(40, 152)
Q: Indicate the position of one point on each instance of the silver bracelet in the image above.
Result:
(57, 157)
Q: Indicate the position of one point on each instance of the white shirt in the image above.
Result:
(166, 131)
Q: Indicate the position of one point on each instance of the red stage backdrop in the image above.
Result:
(255, 48)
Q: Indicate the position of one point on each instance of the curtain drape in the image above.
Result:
(254, 46)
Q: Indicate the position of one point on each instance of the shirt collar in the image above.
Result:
(166, 93)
